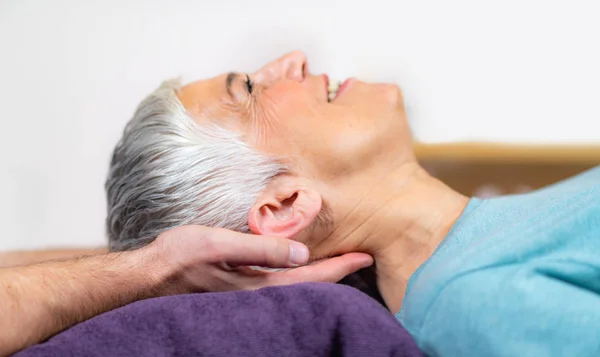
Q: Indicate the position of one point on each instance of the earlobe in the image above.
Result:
(284, 210)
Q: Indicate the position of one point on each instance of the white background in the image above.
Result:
(72, 72)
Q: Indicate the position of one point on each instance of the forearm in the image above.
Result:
(8, 259)
(41, 300)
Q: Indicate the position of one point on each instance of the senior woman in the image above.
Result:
(269, 153)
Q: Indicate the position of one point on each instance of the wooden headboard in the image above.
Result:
(476, 169)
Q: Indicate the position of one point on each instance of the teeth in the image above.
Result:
(332, 89)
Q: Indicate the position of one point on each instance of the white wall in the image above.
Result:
(71, 73)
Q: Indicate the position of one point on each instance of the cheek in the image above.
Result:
(282, 121)
(351, 145)
(289, 98)
(364, 137)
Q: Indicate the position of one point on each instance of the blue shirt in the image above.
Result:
(516, 276)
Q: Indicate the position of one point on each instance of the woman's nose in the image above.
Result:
(290, 66)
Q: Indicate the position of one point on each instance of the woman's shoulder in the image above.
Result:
(561, 221)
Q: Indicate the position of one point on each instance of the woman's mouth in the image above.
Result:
(343, 86)
(332, 90)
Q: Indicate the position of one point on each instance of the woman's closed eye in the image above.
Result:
(249, 84)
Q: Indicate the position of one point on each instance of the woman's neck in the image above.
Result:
(401, 222)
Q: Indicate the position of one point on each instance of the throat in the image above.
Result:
(401, 223)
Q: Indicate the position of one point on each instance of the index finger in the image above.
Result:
(236, 248)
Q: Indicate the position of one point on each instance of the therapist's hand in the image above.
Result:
(202, 259)
(40, 300)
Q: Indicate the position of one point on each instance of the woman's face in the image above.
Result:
(284, 110)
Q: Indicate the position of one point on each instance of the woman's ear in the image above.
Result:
(284, 208)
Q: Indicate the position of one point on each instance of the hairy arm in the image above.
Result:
(8, 259)
(41, 300)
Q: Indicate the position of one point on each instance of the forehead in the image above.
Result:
(204, 94)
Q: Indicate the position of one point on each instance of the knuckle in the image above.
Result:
(201, 240)
(272, 254)
(212, 248)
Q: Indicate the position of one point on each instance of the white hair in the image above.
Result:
(167, 171)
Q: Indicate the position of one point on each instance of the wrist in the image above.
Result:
(162, 276)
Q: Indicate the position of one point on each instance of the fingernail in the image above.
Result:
(298, 253)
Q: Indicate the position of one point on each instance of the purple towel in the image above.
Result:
(311, 319)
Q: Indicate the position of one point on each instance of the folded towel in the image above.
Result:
(310, 319)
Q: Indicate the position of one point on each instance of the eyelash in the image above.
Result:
(249, 84)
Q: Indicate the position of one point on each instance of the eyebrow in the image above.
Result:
(229, 81)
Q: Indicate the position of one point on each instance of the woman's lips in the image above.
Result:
(343, 86)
